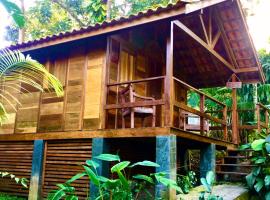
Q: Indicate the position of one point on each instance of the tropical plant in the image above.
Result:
(208, 182)
(20, 73)
(258, 180)
(21, 181)
(123, 187)
(15, 12)
(186, 183)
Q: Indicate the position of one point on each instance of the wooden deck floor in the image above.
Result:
(116, 133)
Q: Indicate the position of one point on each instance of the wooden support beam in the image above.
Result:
(215, 39)
(235, 136)
(246, 69)
(202, 43)
(204, 29)
(168, 88)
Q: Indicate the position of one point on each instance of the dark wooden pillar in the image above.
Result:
(235, 134)
(168, 85)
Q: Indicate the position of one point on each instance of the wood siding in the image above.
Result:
(15, 158)
(62, 160)
(79, 108)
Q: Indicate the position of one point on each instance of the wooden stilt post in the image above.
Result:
(166, 150)
(37, 167)
(235, 134)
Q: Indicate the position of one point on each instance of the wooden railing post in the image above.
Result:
(202, 102)
(225, 128)
(258, 118)
(235, 134)
(266, 114)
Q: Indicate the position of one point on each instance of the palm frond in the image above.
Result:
(18, 71)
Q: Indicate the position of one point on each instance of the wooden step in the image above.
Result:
(236, 165)
(232, 173)
(236, 157)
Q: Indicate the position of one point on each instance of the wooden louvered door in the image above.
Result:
(15, 158)
(62, 160)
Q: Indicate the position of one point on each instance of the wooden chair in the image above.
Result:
(128, 95)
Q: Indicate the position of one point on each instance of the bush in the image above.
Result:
(258, 180)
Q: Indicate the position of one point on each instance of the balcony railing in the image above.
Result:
(207, 121)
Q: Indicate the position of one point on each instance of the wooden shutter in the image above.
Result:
(93, 89)
(62, 160)
(15, 158)
(75, 89)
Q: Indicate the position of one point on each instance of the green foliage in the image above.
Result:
(119, 188)
(186, 183)
(15, 69)
(15, 12)
(258, 180)
(21, 181)
(208, 182)
(4, 196)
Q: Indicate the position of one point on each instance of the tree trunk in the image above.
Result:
(22, 30)
(108, 13)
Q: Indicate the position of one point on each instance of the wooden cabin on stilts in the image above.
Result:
(127, 83)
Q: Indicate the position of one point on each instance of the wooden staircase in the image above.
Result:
(234, 166)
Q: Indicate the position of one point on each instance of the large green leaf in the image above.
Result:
(210, 177)
(206, 185)
(267, 147)
(256, 171)
(74, 178)
(267, 195)
(168, 183)
(120, 166)
(14, 11)
(92, 163)
(259, 185)
(257, 145)
(267, 180)
(92, 176)
(267, 139)
(58, 195)
(144, 177)
(260, 160)
(145, 163)
(108, 157)
(250, 178)
(245, 146)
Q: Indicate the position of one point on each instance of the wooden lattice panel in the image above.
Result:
(15, 158)
(62, 160)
